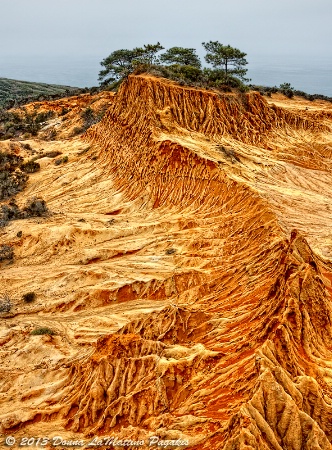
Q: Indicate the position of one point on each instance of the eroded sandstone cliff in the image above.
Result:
(186, 271)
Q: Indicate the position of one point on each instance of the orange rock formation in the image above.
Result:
(186, 270)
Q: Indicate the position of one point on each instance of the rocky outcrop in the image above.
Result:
(190, 299)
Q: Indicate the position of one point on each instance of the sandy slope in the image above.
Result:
(186, 270)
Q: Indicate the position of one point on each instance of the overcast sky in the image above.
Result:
(85, 27)
(63, 41)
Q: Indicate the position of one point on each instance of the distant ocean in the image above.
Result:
(313, 76)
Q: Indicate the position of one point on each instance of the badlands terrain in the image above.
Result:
(185, 269)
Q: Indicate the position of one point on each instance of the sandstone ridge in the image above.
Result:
(186, 271)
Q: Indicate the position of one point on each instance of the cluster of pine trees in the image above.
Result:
(227, 65)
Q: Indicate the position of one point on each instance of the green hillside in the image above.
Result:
(13, 92)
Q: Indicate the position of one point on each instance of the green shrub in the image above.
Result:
(13, 173)
(59, 161)
(9, 161)
(170, 251)
(9, 212)
(184, 72)
(77, 130)
(24, 124)
(29, 297)
(6, 253)
(243, 88)
(5, 303)
(34, 207)
(30, 125)
(82, 152)
(88, 116)
(51, 154)
(91, 117)
(11, 183)
(44, 116)
(286, 89)
(41, 331)
(30, 167)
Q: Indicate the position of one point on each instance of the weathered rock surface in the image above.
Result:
(186, 270)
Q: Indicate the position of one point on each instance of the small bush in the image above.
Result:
(223, 87)
(51, 154)
(64, 111)
(11, 183)
(90, 117)
(243, 88)
(84, 151)
(12, 180)
(77, 130)
(41, 331)
(9, 161)
(6, 253)
(29, 297)
(35, 207)
(23, 124)
(44, 116)
(170, 251)
(184, 72)
(287, 90)
(9, 212)
(30, 167)
(5, 303)
(59, 161)
(30, 125)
